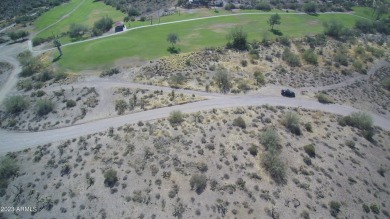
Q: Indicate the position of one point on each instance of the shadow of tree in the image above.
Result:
(277, 32)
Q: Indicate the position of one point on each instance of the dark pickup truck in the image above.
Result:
(287, 93)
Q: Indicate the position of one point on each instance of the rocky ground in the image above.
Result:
(155, 161)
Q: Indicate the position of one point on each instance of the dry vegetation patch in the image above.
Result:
(206, 166)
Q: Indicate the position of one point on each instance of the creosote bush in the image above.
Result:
(15, 104)
(323, 98)
(240, 122)
(110, 178)
(270, 139)
(70, 103)
(291, 121)
(310, 150)
(334, 208)
(198, 182)
(44, 107)
(275, 167)
(290, 58)
(360, 120)
(120, 106)
(8, 169)
(176, 118)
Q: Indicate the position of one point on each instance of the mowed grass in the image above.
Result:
(86, 14)
(150, 42)
(55, 14)
(364, 12)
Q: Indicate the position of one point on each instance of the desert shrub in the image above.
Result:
(334, 208)
(291, 121)
(308, 127)
(358, 66)
(366, 208)
(110, 178)
(275, 167)
(310, 57)
(44, 107)
(222, 79)
(284, 40)
(310, 150)
(240, 122)
(70, 103)
(253, 150)
(59, 75)
(120, 106)
(15, 104)
(198, 182)
(30, 66)
(263, 6)
(8, 169)
(77, 30)
(176, 80)
(230, 6)
(237, 39)
(176, 118)
(381, 171)
(101, 26)
(40, 93)
(44, 76)
(66, 169)
(270, 140)
(386, 83)
(202, 167)
(341, 59)
(243, 86)
(110, 72)
(333, 28)
(365, 26)
(290, 58)
(259, 77)
(359, 120)
(374, 208)
(323, 98)
(25, 85)
(244, 63)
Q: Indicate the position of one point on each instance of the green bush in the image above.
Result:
(15, 104)
(110, 72)
(253, 150)
(237, 39)
(8, 169)
(120, 106)
(308, 127)
(198, 182)
(334, 208)
(386, 83)
(59, 75)
(374, 208)
(360, 120)
(323, 98)
(240, 122)
(176, 118)
(341, 59)
(366, 208)
(222, 79)
(70, 103)
(310, 150)
(310, 57)
(102, 25)
(290, 58)
(275, 167)
(44, 107)
(259, 77)
(271, 141)
(291, 121)
(110, 178)
(284, 40)
(25, 85)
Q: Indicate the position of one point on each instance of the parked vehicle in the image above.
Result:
(288, 93)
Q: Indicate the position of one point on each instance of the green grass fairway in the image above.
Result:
(55, 14)
(86, 14)
(150, 42)
(364, 12)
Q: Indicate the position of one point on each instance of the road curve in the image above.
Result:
(14, 141)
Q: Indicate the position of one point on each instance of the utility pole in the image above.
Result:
(151, 20)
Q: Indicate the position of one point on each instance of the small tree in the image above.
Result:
(8, 168)
(110, 178)
(271, 141)
(334, 28)
(237, 39)
(77, 30)
(223, 80)
(274, 20)
(173, 38)
(15, 104)
(291, 121)
(240, 122)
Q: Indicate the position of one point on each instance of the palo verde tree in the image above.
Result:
(274, 20)
(57, 44)
(173, 38)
